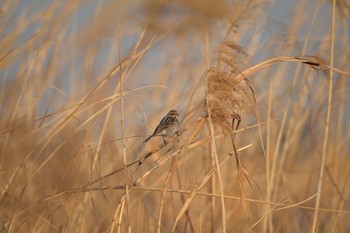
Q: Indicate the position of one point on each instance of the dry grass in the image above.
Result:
(83, 83)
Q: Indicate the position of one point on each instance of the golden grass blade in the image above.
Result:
(328, 119)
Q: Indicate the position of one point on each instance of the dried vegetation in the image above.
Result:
(82, 84)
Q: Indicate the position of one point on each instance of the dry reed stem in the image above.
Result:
(307, 60)
(155, 166)
(328, 119)
(194, 193)
(268, 158)
(284, 206)
(121, 209)
(214, 155)
(121, 79)
(117, 95)
(264, 217)
(343, 84)
(176, 160)
(264, 202)
(122, 200)
(341, 202)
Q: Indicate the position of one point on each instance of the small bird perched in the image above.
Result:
(166, 126)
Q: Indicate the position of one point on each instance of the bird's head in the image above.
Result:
(173, 113)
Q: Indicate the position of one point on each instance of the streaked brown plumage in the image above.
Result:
(166, 126)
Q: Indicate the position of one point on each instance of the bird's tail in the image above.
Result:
(148, 138)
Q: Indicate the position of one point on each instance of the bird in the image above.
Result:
(166, 126)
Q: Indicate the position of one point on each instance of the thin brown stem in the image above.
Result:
(328, 119)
